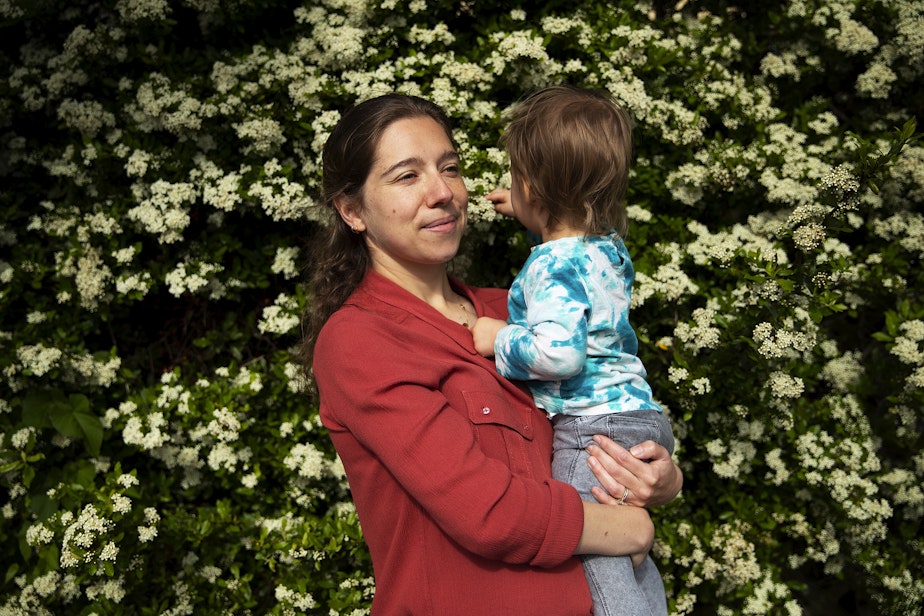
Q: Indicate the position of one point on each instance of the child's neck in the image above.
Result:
(561, 231)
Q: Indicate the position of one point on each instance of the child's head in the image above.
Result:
(573, 148)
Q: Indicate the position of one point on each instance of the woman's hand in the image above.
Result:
(646, 471)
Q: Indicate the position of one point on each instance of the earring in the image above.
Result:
(353, 229)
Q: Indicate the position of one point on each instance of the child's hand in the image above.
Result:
(500, 197)
(484, 331)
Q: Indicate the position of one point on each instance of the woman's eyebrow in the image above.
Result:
(448, 155)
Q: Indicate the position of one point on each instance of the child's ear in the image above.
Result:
(517, 179)
(349, 212)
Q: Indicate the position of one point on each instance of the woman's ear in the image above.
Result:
(346, 207)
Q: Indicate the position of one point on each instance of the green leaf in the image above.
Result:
(92, 429)
(11, 573)
(37, 405)
(892, 323)
(70, 416)
(79, 403)
(28, 474)
(83, 473)
(10, 466)
(43, 506)
(63, 420)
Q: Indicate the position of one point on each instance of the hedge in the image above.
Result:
(159, 180)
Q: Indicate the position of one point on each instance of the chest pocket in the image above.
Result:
(502, 430)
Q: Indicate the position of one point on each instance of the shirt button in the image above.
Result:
(486, 410)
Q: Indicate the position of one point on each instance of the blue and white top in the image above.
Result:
(569, 333)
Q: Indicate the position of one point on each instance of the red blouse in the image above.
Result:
(448, 463)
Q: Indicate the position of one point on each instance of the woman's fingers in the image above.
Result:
(603, 496)
(612, 476)
(647, 471)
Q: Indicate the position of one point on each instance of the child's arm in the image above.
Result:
(484, 332)
(550, 344)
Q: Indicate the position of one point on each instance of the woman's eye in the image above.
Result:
(451, 170)
(405, 177)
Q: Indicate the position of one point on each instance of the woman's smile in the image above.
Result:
(443, 225)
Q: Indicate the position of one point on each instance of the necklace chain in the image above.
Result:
(464, 315)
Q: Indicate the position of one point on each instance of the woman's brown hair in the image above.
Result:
(340, 257)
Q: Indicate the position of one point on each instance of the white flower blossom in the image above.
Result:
(88, 117)
(298, 381)
(121, 503)
(137, 10)
(782, 385)
(225, 426)
(702, 335)
(190, 277)
(134, 432)
(264, 135)
(81, 535)
(876, 82)
(853, 38)
(282, 317)
(92, 276)
(775, 343)
(281, 198)
(39, 359)
(300, 601)
(162, 210)
(223, 194)
(307, 460)
(39, 534)
(809, 236)
(843, 372)
(138, 163)
(285, 261)
(126, 481)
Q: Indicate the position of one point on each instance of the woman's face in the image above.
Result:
(414, 202)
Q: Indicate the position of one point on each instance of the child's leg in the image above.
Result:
(652, 586)
(616, 587)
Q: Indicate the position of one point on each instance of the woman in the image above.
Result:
(448, 463)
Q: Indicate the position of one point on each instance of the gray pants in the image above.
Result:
(617, 588)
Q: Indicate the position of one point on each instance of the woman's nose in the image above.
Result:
(440, 190)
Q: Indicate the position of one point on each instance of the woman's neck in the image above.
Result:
(430, 283)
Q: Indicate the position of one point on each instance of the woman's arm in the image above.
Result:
(647, 471)
(616, 531)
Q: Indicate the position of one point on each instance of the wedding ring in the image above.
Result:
(625, 495)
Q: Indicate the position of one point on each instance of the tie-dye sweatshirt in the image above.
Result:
(569, 334)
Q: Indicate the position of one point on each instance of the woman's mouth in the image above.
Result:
(447, 223)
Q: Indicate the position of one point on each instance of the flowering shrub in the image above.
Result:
(160, 169)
